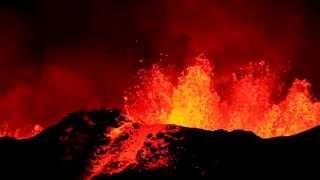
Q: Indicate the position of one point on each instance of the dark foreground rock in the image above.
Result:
(95, 145)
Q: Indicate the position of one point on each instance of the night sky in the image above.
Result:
(62, 55)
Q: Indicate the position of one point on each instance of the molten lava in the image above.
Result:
(6, 131)
(194, 101)
(133, 145)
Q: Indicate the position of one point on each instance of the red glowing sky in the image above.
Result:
(59, 56)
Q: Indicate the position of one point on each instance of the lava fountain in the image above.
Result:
(192, 100)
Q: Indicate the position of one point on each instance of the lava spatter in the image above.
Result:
(195, 102)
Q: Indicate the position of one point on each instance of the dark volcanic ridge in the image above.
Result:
(103, 143)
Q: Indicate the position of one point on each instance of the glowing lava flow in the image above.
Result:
(195, 102)
(6, 131)
(132, 145)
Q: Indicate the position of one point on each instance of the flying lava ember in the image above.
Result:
(193, 100)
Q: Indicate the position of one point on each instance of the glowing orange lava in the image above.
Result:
(195, 102)
(131, 146)
(6, 131)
